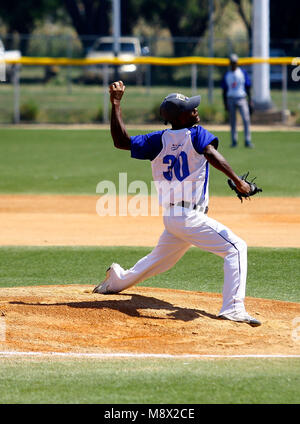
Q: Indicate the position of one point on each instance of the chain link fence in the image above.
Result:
(54, 94)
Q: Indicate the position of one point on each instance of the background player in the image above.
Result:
(236, 87)
(180, 159)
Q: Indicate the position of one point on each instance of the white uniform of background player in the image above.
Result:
(181, 173)
(236, 87)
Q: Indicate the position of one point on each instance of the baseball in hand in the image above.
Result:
(116, 90)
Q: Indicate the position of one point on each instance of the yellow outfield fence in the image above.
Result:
(158, 61)
(15, 65)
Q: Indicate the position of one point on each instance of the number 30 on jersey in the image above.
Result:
(177, 166)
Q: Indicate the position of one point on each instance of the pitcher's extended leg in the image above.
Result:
(223, 242)
(163, 257)
(212, 236)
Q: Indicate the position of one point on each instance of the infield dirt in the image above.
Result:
(140, 320)
(58, 220)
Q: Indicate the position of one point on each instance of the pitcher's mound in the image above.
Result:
(141, 320)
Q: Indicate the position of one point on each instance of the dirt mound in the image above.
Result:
(140, 320)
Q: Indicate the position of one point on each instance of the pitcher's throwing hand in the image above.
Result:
(116, 90)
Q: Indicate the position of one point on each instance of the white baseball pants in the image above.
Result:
(184, 228)
(242, 105)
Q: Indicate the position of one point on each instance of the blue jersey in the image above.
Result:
(148, 146)
(179, 168)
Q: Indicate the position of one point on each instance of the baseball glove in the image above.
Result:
(253, 187)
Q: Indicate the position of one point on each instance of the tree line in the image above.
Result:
(188, 18)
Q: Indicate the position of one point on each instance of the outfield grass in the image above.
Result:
(272, 273)
(59, 104)
(151, 381)
(55, 161)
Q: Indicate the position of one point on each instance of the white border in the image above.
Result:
(134, 355)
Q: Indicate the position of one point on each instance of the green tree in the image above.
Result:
(244, 10)
(131, 10)
(21, 16)
(189, 18)
(284, 19)
(93, 17)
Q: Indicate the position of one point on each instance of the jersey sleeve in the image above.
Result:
(247, 79)
(201, 138)
(146, 146)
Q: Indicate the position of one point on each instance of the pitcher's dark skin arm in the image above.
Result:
(219, 162)
(117, 127)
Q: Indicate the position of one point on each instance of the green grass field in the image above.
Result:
(127, 381)
(73, 161)
(53, 161)
(272, 273)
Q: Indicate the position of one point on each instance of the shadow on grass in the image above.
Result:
(132, 306)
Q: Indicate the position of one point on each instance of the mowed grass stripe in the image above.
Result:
(70, 161)
(155, 381)
(273, 273)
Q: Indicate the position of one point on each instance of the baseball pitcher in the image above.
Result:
(180, 159)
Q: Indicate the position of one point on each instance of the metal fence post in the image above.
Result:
(148, 78)
(105, 95)
(194, 79)
(69, 68)
(211, 51)
(284, 92)
(16, 82)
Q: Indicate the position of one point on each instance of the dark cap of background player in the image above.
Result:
(175, 103)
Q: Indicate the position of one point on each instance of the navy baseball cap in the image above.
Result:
(175, 103)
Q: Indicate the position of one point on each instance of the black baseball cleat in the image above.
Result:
(241, 317)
